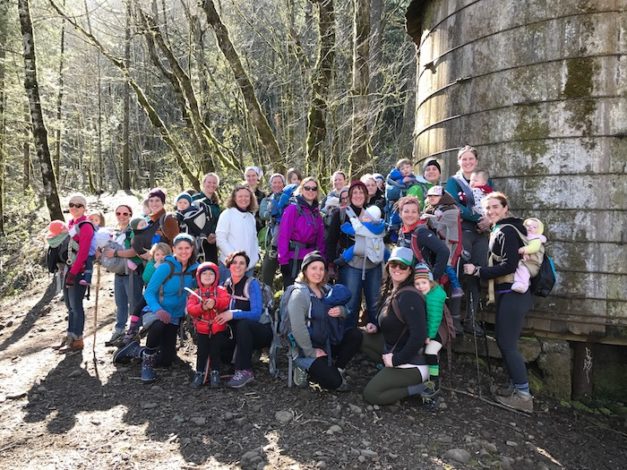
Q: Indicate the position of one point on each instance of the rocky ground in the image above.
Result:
(80, 411)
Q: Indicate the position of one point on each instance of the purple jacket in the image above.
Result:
(302, 224)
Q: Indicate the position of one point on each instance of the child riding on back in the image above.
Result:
(532, 255)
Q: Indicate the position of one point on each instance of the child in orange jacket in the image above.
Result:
(208, 300)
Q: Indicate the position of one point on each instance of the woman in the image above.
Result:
(293, 176)
(474, 227)
(360, 274)
(431, 173)
(270, 263)
(251, 330)
(128, 287)
(236, 229)
(301, 231)
(81, 232)
(253, 175)
(209, 197)
(375, 195)
(415, 234)
(166, 297)
(511, 307)
(398, 337)
(162, 227)
(323, 348)
(338, 181)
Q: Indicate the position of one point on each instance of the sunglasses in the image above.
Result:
(77, 206)
(122, 213)
(397, 265)
(310, 188)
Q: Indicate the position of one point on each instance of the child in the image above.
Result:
(368, 233)
(532, 255)
(97, 220)
(183, 203)
(209, 299)
(398, 181)
(443, 217)
(158, 252)
(434, 298)
(480, 187)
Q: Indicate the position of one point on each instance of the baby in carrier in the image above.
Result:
(443, 218)
(532, 255)
(368, 233)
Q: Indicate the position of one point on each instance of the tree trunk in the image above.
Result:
(26, 152)
(4, 35)
(126, 149)
(361, 78)
(259, 119)
(60, 82)
(316, 120)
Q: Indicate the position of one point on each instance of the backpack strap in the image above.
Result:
(492, 258)
(171, 267)
(466, 189)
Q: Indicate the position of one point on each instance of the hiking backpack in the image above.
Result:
(65, 253)
(542, 284)
(196, 222)
(267, 299)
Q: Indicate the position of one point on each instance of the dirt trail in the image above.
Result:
(71, 412)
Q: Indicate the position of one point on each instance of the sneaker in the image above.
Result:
(518, 400)
(124, 355)
(432, 388)
(300, 376)
(116, 338)
(241, 378)
(214, 378)
(457, 292)
(199, 380)
(505, 390)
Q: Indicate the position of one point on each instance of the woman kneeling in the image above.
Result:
(316, 315)
(400, 336)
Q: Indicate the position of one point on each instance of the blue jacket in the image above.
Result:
(250, 309)
(173, 292)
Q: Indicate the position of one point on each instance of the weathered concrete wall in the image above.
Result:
(540, 88)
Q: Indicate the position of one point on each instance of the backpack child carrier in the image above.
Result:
(65, 252)
(115, 264)
(196, 222)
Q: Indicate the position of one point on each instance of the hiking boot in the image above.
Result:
(505, 390)
(214, 378)
(300, 376)
(67, 339)
(148, 375)
(199, 380)
(432, 388)
(241, 378)
(518, 400)
(131, 351)
(75, 345)
(116, 338)
(344, 386)
(457, 292)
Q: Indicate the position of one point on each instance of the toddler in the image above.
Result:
(443, 217)
(434, 298)
(97, 219)
(479, 182)
(368, 233)
(532, 255)
(209, 300)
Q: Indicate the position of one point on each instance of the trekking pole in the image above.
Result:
(487, 353)
(93, 346)
(474, 333)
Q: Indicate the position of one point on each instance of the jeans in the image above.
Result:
(123, 295)
(371, 285)
(73, 297)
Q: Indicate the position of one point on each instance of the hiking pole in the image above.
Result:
(487, 353)
(93, 346)
(474, 333)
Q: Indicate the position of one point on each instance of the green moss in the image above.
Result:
(531, 132)
(580, 72)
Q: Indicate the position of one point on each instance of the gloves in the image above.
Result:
(70, 279)
(163, 316)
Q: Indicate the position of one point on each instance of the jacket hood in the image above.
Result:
(204, 267)
(338, 295)
(515, 221)
(447, 199)
(300, 200)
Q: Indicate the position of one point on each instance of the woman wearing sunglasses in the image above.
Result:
(81, 232)
(301, 231)
(399, 343)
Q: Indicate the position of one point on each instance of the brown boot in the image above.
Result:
(65, 342)
(518, 401)
(75, 345)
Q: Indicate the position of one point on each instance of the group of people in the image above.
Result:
(405, 242)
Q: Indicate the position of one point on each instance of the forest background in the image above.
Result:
(138, 93)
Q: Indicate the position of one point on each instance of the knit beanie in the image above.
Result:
(157, 192)
(310, 258)
(432, 162)
(422, 271)
(374, 212)
(185, 196)
(56, 228)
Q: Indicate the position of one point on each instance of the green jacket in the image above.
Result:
(435, 308)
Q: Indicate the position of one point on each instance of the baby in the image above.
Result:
(480, 187)
(98, 221)
(368, 233)
(532, 255)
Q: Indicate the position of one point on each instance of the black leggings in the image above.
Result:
(327, 375)
(210, 347)
(290, 273)
(162, 338)
(511, 309)
(248, 335)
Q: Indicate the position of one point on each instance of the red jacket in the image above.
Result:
(204, 319)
